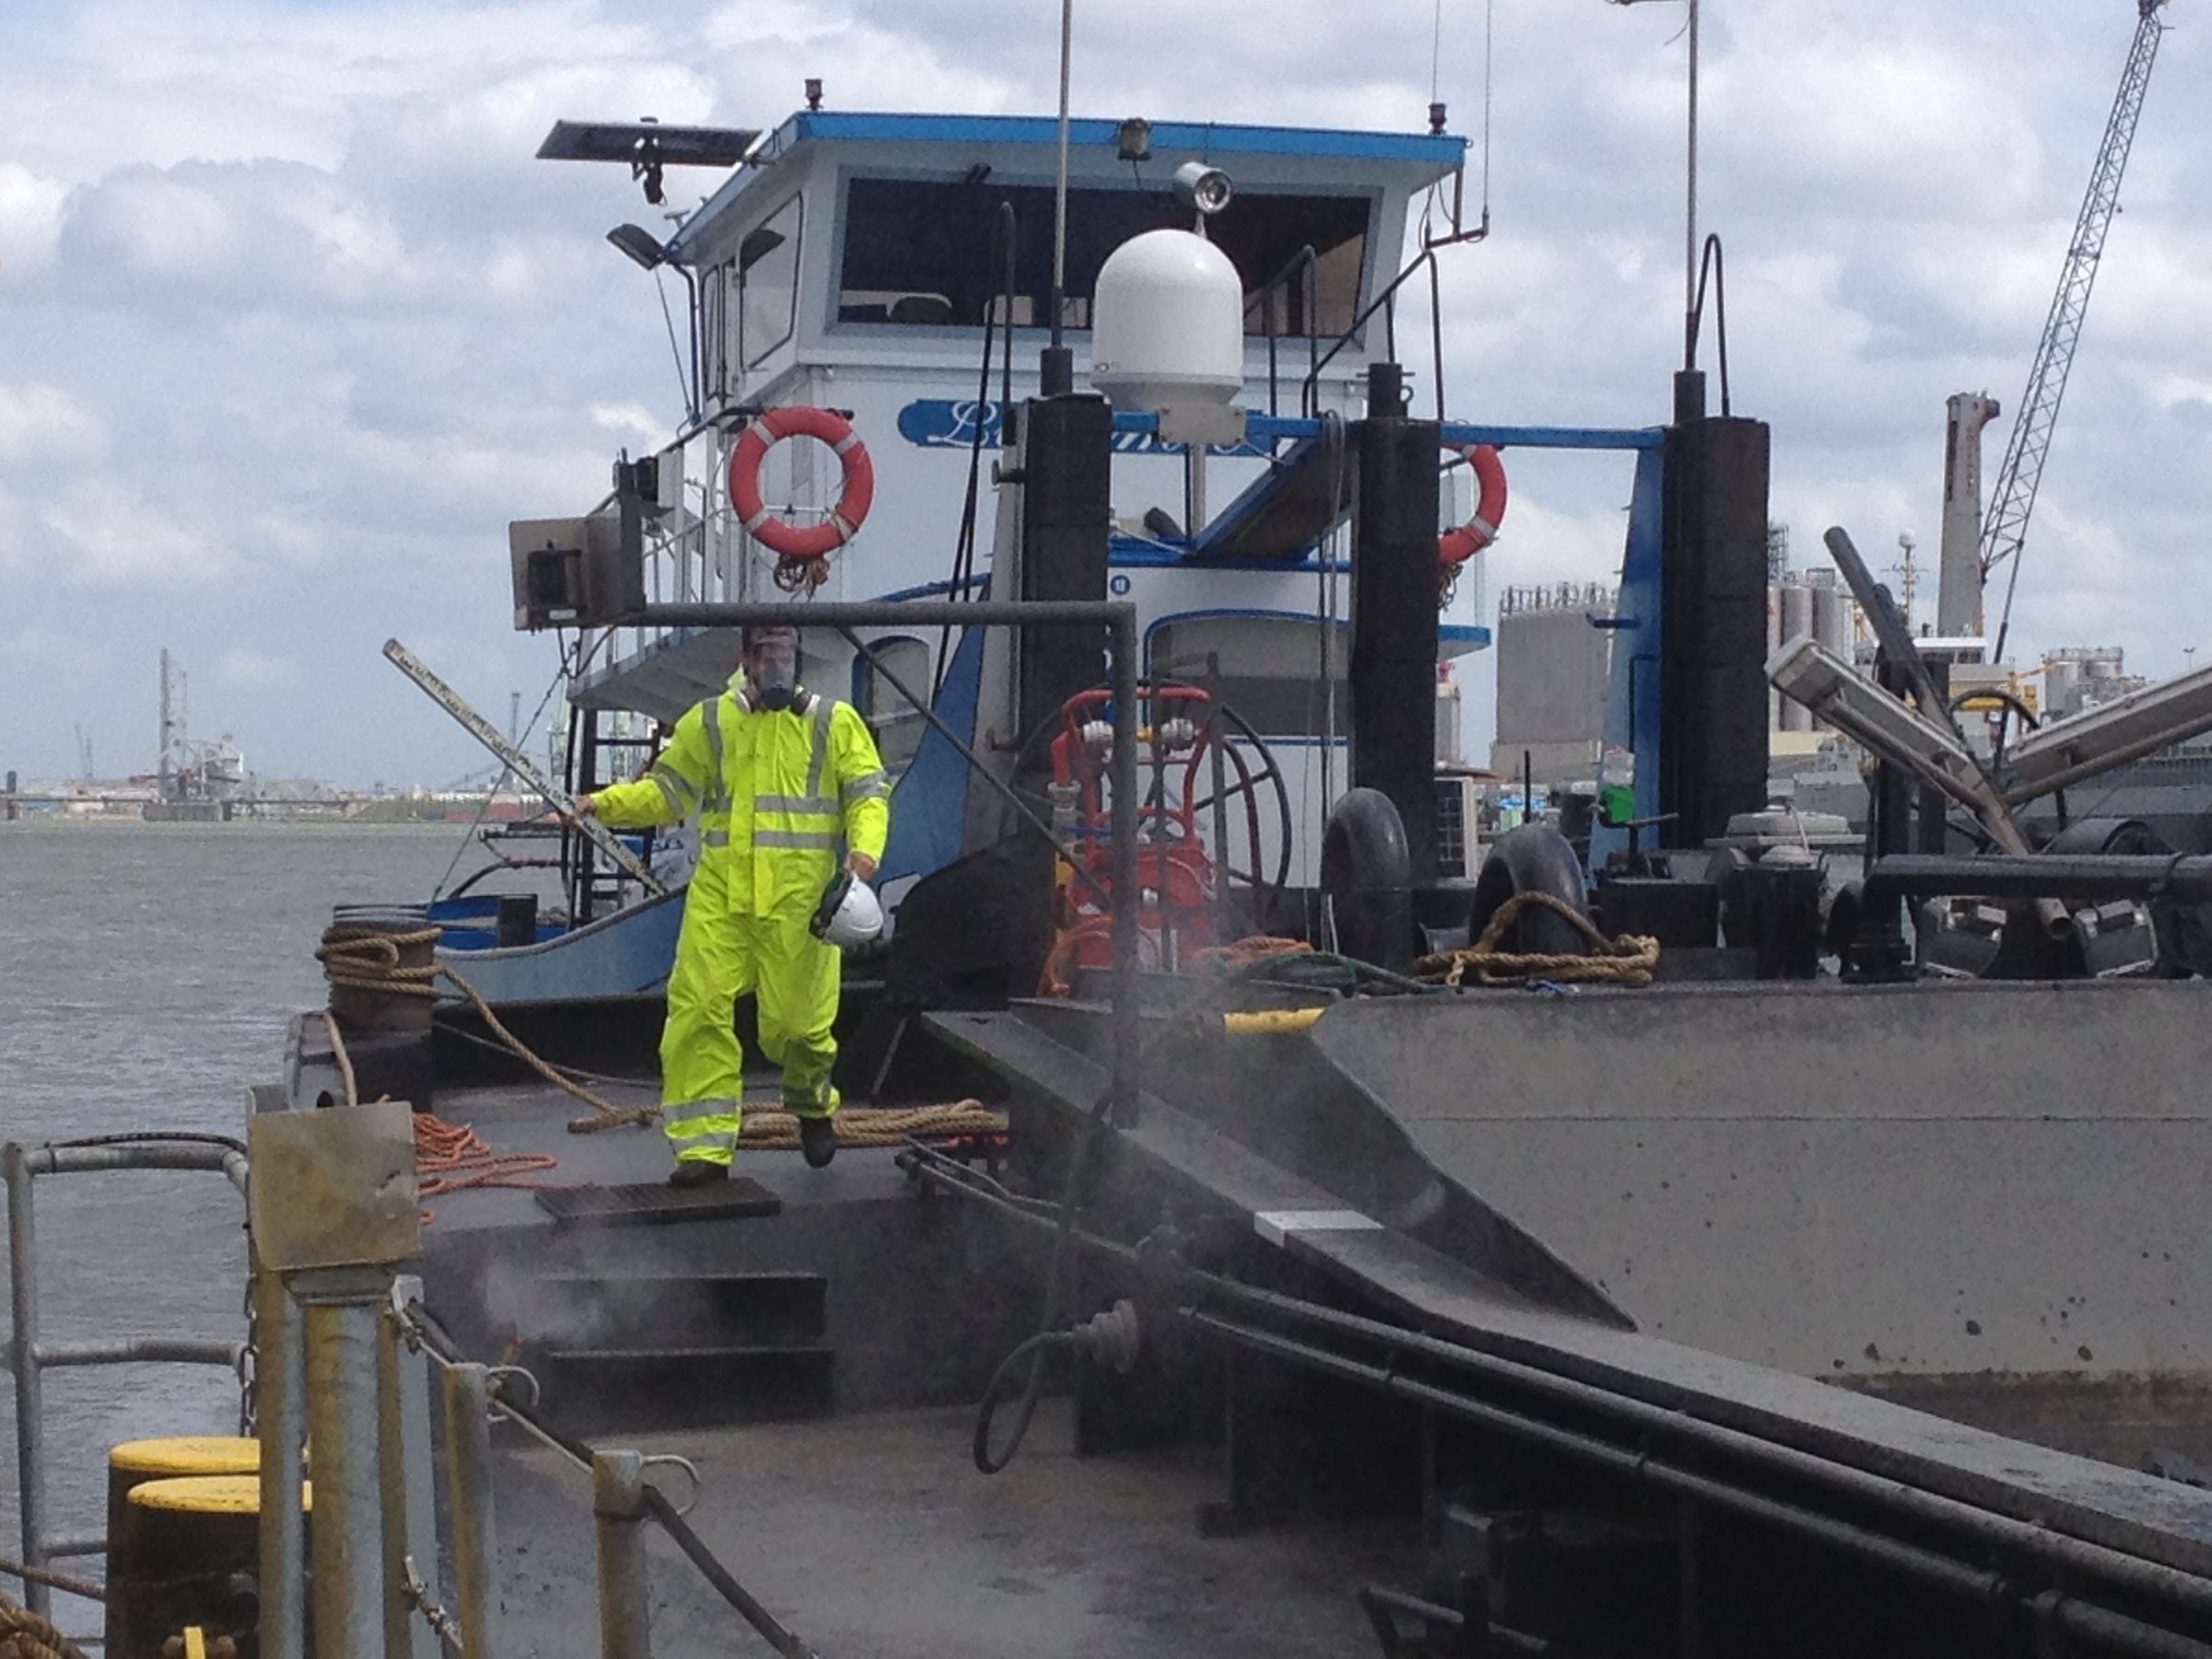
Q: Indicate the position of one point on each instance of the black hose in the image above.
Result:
(749, 1608)
(1033, 1350)
(1048, 1332)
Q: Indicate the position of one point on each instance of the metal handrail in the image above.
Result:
(27, 1357)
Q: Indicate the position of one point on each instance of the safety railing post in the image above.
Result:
(466, 1390)
(619, 1512)
(344, 1453)
(22, 1360)
(281, 1379)
(410, 1523)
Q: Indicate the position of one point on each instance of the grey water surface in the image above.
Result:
(147, 972)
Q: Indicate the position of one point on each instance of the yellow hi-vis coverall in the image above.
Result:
(776, 792)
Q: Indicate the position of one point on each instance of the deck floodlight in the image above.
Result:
(2111, 734)
(1806, 674)
(1205, 188)
(1133, 140)
(640, 244)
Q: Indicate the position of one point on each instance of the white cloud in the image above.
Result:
(104, 539)
(44, 422)
(253, 670)
(629, 420)
(30, 217)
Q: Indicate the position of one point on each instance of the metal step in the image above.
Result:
(595, 1310)
(596, 1390)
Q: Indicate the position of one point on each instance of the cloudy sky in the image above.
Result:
(291, 323)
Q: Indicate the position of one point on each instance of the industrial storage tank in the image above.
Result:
(1796, 620)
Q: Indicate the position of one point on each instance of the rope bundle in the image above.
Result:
(24, 1635)
(872, 1126)
(451, 1157)
(1627, 960)
(368, 959)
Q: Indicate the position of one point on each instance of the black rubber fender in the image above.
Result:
(1533, 858)
(1367, 877)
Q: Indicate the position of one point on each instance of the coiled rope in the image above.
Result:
(25, 1635)
(452, 1158)
(363, 959)
(1627, 960)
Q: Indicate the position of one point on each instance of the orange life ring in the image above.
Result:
(1479, 531)
(802, 421)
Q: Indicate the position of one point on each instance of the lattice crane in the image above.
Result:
(2005, 527)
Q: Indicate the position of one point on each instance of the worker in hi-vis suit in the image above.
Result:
(781, 777)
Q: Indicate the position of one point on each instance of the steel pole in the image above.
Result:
(23, 1361)
(618, 1514)
(280, 1378)
(1690, 226)
(343, 1433)
(409, 1505)
(1126, 1082)
(467, 1394)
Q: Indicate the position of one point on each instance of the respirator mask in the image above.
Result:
(773, 668)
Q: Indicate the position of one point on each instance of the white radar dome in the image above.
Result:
(1167, 322)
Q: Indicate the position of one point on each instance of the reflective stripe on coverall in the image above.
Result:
(777, 792)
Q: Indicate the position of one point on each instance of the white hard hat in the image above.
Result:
(848, 914)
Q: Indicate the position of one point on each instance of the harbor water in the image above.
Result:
(146, 975)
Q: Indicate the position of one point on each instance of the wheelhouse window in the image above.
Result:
(766, 272)
(919, 253)
(897, 723)
(1267, 668)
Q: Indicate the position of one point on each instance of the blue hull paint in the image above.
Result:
(616, 956)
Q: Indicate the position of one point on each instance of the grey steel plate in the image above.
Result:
(651, 1201)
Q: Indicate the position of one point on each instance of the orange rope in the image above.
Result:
(451, 1157)
(1256, 947)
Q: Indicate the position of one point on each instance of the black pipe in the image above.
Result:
(1712, 633)
(2135, 1574)
(1394, 613)
(2186, 877)
(1981, 1585)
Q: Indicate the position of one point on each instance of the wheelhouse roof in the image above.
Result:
(1419, 160)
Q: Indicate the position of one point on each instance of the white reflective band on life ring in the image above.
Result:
(1479, 531)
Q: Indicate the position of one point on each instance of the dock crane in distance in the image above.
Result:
(2005, 528)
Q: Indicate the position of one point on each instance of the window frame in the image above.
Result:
(747, 357)
(1372, 199)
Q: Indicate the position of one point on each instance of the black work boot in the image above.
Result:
(697, 1172)
(818, 1140)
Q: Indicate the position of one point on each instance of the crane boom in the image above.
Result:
(2005, 528)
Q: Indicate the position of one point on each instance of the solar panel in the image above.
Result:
(639, 142)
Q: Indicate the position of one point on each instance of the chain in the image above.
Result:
(418, 1593)
(249, 1369)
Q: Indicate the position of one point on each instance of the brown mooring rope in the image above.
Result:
(1627, 960)
(366, 960)
(24, 1635)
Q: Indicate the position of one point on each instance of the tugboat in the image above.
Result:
(1589, 1250)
